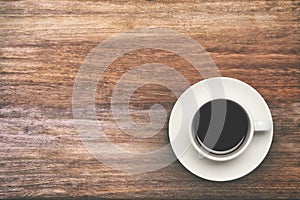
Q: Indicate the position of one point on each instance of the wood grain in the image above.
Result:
(42, 45)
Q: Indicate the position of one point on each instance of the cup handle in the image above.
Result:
(262, 125)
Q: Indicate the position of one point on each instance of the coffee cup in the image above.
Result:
(222, 128)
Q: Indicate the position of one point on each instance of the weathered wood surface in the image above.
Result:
(42, 45)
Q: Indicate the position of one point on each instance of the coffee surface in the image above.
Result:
(221, 125)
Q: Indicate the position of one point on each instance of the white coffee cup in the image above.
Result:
(253, 127)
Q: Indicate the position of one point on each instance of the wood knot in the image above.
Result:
(26, 129)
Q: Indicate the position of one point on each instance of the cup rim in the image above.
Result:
(233, 154)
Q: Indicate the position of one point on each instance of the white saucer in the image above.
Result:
(219, 170)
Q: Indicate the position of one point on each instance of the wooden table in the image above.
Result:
(42, 46)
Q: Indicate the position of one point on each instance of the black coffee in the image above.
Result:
(219, 138)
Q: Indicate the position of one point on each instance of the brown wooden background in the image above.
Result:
(42, 45)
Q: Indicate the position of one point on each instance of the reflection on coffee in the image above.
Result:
(209, 131)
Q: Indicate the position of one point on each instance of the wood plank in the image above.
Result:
(42, 45)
